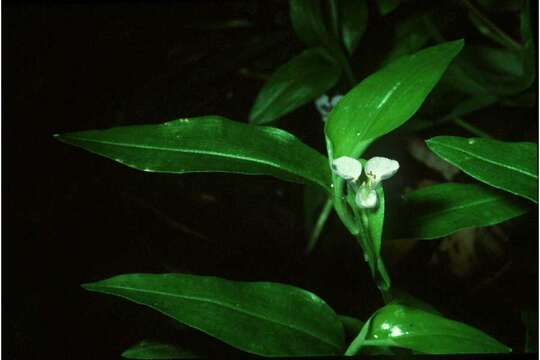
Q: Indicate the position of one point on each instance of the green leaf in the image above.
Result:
(509, 166)
(386, 99)
(407, 327)
(207, 144)
(151, 349)
(496, 71)
(459, 77)
(308, 22)
(496, 60)
(387, 6)
(263, 318)
(354, 17)
(301, 80)
(443, 209)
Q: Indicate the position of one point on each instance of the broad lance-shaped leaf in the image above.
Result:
(386, 99)
(510, 166)
(263, 318)
(207, 144)
(408, 327)
(443, 209)
(301, 80)
(151, 349)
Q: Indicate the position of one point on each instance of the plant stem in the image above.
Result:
(359, 340)
(336, 47)
(489, 29)
(378, 272)
(319, 225)
(341, 208)
(334, 16)
(471, 128)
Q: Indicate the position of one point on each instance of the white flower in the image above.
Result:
(324, 105)
(379, 169)
(366, 198)
(335, 100)
(347, 168)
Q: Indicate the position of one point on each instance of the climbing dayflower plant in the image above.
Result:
(272, 319)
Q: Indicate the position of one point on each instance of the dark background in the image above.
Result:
(70, 217)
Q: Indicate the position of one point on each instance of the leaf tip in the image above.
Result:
(89, 286)
(458, 45)
(59, 137)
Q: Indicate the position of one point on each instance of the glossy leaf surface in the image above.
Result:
(308, 22)
(404, 326)
(443, 209)
(353, 19)
(404, 298)
(150, 349)
(207, 144)
(510, 166)
(263, 318)
(386, 99)
(301, 80)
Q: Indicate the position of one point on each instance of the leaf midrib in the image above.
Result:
(524, 172)
(196, 298)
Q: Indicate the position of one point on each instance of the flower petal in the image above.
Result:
(323, 104)
(335, 100)
(366, 198)
(380, 168)
(347, 168)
